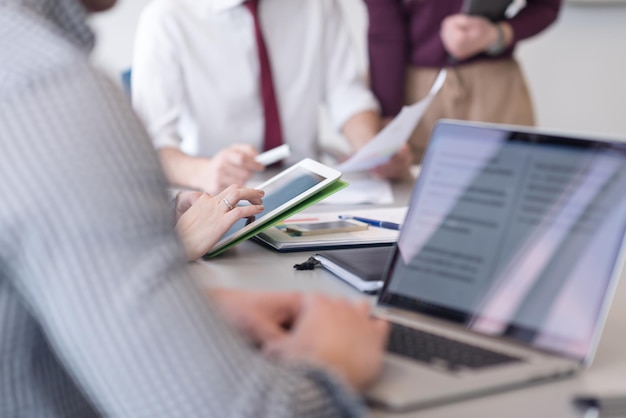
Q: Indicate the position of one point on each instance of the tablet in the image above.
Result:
(282, 192)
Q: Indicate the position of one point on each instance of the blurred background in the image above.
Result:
(576, 69)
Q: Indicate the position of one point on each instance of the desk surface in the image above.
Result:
(251, 266)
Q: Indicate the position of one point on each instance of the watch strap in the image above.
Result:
(498, 46)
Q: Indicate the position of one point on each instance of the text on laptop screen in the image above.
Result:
(513, 234)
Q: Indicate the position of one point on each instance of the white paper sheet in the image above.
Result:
(389, 141)
(362, 188)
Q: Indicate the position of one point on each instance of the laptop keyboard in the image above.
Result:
(437, 350)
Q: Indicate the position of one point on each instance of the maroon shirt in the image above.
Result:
(406, 32)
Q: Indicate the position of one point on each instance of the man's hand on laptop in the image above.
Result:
(261, 316)
(334, 334)
(337, 335)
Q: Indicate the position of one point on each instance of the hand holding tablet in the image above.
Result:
(288, 192)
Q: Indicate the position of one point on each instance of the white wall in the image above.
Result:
(576, 70)
(115, 31)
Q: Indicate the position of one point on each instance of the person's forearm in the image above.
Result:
(535, 17)
(361, 128)
(387, 42)
(181, 169)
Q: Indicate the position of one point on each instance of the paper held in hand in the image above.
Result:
(389, 141)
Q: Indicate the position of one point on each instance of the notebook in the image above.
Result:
(505, 265)
(278, 238)
(362, 268)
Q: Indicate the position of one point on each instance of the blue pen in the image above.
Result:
(373, 222)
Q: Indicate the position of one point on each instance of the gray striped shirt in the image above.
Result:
(99, 314)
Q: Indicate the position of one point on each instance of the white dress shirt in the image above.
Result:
(196, 79)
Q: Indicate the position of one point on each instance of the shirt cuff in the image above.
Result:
(342, 400)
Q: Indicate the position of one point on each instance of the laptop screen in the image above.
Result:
(515, 234)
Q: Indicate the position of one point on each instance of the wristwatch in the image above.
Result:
(498, 46)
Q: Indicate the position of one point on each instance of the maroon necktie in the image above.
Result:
(273, 132)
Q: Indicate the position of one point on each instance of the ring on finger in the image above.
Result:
(227, 203)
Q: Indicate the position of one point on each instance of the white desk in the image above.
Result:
(251, 266)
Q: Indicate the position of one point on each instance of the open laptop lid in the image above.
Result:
(514, 233)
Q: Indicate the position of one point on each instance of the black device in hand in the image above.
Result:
(494, 10)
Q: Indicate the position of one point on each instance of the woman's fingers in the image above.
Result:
(246, 211)
(234, 194)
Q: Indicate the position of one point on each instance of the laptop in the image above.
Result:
(506, 263)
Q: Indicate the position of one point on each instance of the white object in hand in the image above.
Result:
(274, 155)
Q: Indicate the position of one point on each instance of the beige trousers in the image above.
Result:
(485, 91)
